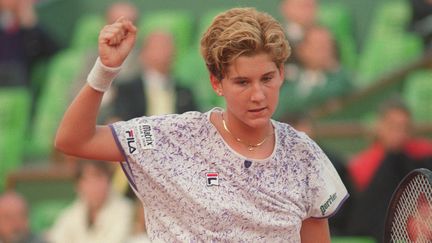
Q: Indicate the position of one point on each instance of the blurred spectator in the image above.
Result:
(337, 223)
(393, 134)
(372, 203)
(98, 214)
(129, 11)
(22, 42)
(121, 9)
(130, 68)
(14, 222)
(421, 20)
(298, 16)
(155, 91)
(317, 77)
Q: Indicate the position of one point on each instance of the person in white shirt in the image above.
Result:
(98, 214)
(229, 174)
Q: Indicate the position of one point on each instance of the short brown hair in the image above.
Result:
(242, 31)
(393, 103)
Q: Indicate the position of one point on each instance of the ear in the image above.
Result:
(282, 71)
(216, 84)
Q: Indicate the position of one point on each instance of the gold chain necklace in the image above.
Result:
(250, 147)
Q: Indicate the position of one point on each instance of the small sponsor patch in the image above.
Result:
(212, 178)
(146, 136)
(131, 141)
(328, 203)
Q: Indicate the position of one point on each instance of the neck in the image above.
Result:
(252, 137)
(163, 71)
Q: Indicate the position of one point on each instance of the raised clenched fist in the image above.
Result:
(116, 41)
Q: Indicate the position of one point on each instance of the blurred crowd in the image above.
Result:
(325, 68)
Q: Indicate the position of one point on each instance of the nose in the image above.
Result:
(257, 93)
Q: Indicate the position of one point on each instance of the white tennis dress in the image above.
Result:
(195, 188)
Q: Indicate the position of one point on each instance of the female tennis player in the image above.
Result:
(230, 175)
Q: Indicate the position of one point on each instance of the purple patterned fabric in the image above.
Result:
(195, 188)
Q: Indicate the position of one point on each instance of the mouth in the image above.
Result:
(257, 110)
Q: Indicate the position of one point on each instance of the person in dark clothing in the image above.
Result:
(23, 42)
(377, 171)
(369, 212)
(393, 133)
(155, 92)
(317, 76)
(421, 20)
(136, 103)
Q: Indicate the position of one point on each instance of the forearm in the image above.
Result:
(315, 230)
(78, 134)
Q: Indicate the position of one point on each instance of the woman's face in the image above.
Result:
(251, 89)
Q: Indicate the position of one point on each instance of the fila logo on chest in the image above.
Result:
(212, 178)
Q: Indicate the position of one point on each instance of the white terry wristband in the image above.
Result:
(101, 76)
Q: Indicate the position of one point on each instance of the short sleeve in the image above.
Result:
(150, 143)
(327, 191)
(136, 140)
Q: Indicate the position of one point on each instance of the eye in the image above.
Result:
(242, 82)
(266, 79)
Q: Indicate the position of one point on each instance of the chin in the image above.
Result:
(257, 122)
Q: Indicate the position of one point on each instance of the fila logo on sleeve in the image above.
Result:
(131, 142)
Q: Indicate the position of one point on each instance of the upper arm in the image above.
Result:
(78, 134)
(315, 230)
(101, 146)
